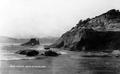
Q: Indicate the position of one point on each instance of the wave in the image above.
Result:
(15, 58)
(7, 51)
(4, 55)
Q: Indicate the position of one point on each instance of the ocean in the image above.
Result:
(70, 62)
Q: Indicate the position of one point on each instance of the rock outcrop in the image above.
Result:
(28, 52)
(98, 33)
(50, 53)
(32, 42)
(92, 40)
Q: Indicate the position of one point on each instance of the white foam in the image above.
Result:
(12, 56)
(15, 58)
(62, 52)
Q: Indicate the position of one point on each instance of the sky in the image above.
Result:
(46, 18)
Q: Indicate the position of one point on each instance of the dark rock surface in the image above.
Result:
(32, 42)
(50, 53)
(46, 48)
(28, 52)
(93, 40)
(98, 33)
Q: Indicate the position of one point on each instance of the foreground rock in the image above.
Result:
(50, 53)
(29, 53)
(32, 42)
(95, 34)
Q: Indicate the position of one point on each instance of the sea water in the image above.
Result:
(8, 51)
(69, 62)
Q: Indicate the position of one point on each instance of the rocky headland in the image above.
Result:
(101, 33)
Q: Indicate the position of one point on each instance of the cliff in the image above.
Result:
(104, 28)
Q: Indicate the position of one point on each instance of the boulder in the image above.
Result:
(50, 53)
(28, 52)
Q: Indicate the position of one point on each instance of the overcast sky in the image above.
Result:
(40, 18)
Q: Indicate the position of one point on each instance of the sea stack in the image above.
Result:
(32, 42)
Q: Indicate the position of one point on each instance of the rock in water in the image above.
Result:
(32, 42)
(28, 52)
(50, 53)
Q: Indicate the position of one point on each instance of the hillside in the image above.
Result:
(107, 22)
(5, 39)
(45, 40)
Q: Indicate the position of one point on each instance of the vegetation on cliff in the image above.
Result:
(104, 28)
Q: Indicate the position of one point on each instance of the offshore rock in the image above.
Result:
(50, 53)
(31, 42)
(28, 52)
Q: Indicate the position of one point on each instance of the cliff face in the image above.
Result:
(103, 27)
(99, 40)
